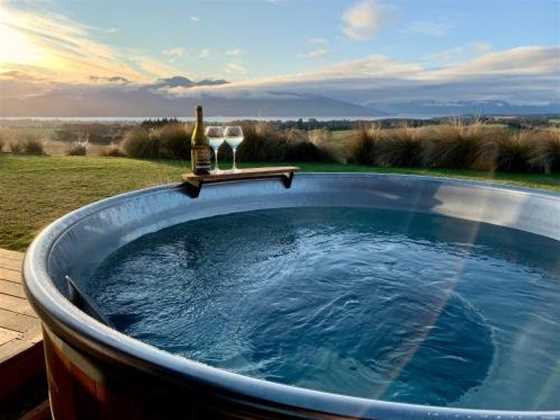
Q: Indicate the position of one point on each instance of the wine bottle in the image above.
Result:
(200, 148)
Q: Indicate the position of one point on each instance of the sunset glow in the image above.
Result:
(17, 48)
(361, 52)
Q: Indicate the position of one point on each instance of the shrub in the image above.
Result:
(320, 137)
(4, 139)
(33, 146)
(174, 141)
(513, 153)
(363, 146)
(30, 145)
(113, 151)
(304, 151)
(171, 141)
(400, 147)
(331, 150)
(139, 143)
(299, 148)
(545, 154)
(76, 149)
(16, 147)
(262, 143)
(454, 146)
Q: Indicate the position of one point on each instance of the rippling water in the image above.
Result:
(377, 304)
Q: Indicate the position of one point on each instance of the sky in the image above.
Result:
(346, 46)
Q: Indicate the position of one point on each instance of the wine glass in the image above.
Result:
(234, 136)
(215, 137)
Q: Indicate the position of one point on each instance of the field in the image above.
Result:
(57, 137)
(37, 190)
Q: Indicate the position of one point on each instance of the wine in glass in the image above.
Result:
(234, 137)
(215, 137)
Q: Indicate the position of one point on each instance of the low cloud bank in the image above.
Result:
(522, 76)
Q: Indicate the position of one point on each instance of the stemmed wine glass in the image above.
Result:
(234, 136)
(215, 137)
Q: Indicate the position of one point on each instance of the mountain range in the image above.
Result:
(457, 108)
(178, 95)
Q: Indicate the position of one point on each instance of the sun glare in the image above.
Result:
(17, 48)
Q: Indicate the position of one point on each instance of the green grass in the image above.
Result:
(36, 190)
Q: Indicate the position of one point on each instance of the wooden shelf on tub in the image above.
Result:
(193, 183)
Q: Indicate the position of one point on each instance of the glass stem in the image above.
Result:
(234, 163)
(217, 168)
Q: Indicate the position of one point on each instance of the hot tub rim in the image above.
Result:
(70, 323)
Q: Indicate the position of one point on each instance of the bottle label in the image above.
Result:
(201, 159)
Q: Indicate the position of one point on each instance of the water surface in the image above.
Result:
(371, 303)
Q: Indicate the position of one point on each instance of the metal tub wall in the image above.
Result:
(97, 372)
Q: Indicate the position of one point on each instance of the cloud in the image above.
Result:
(429, 28)
(195, 18)
(372, 66)
(459, 54)
(362, 20)
(481, 47)
(317, 41)
(113, 79)
(448, 56)
(19, 75)
(174, 52)
(153, 67)
(49, 45)
(518, 75)
(21, 85)
(315, 54)
(205, 53)
(233, 68)
(520, 61)
(320, 49)
(523, 75)
(234, 53)
(184, 82)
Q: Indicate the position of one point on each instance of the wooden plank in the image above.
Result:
(240, 174)
(21, 351)
(8, 335)
(4, 253)
(17, 322)
(12, 348)
(10, 264)
(11, 288)
(15, 304)
(34, 334)
(10, 275)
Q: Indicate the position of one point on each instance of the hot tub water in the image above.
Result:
(379, 304)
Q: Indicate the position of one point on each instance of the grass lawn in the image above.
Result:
(36, 190)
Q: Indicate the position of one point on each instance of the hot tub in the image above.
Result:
(95, 371)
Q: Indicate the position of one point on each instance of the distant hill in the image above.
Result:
(435, 108)
(143, 101)
(178, 95)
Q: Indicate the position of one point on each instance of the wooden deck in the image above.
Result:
(20, 328)
(22, 369)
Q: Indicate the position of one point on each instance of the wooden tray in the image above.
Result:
(193, 183)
